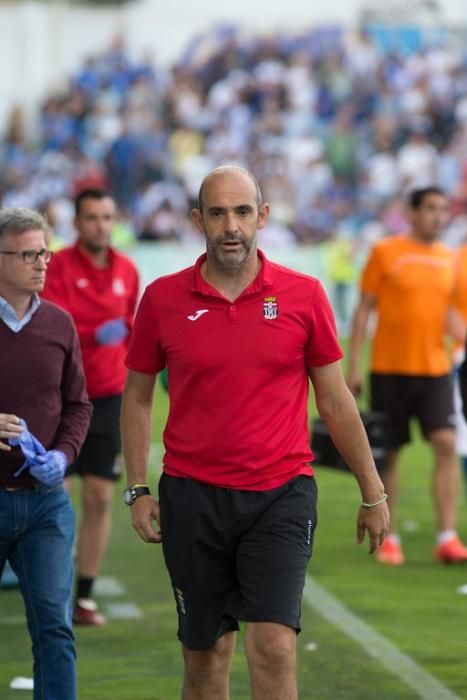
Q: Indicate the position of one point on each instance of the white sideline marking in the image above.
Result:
(108, 587)
(123, 611)
(22, 683)
(375, 644)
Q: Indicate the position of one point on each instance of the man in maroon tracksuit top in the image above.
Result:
(44, 416)
(99, 288)
(241, 338)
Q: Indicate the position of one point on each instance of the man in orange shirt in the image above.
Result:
(409, 280)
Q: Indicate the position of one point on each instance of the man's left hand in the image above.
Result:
(375, 521)
(145, 511)
(50, 468)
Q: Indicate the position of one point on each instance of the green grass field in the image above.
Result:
(415, 607)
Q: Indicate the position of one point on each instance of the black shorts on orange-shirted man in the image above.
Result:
(102, 446)
(402, 397)
(236, 555)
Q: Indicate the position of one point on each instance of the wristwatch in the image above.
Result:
(131, 493)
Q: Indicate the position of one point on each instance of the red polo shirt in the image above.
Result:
(92, 296)
(238, 377)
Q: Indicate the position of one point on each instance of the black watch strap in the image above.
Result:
(133, 492)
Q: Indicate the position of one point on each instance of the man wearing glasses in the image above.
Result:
(44, 416)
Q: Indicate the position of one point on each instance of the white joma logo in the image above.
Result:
(197, 314)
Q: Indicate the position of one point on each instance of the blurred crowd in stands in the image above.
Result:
(335, 126)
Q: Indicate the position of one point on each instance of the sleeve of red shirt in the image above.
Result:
(323, 346)
(76, 408)
(145, 353)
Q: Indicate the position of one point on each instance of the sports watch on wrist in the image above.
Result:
(131, 493)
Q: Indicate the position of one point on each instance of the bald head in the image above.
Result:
(230, 213)
(226, 170)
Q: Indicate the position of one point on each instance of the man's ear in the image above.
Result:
(197, 219)
(263, 215)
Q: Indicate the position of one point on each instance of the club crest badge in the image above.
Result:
(270, 308)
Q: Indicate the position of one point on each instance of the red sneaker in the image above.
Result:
(390, 552)
(451, 552)
(85, 612)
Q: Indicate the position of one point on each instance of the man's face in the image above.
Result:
(16, 276)
(429, 219)
(94, 223)
(230, 219)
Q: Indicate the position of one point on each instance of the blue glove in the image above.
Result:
(111, 332)
(30, 446)
(50, 468)
(47, 467)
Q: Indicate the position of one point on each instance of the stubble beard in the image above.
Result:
(235, 260)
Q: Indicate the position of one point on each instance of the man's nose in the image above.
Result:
(230, 222)
(40, 263)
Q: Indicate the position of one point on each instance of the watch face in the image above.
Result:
(128, 496)
(131, 493)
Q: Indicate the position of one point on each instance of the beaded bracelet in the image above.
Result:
(372, 505)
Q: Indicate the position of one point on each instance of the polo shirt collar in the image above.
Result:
(264, 278)
(88, 261)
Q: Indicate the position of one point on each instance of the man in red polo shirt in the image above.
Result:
(98, 286)
(240, 337)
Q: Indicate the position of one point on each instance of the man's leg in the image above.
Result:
(94, 533)
(42, 559)
(390, 552)
(446, 485)
(390, 479)
(390, 395)
(207, 672)
(98, 467)
(271, 654)
(446, 478)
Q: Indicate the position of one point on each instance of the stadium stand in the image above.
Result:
(336, 125)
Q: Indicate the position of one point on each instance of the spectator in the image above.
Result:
(384, 125)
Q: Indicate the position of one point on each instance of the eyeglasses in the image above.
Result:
(29, 257)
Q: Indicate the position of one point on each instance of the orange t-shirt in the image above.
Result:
(414, 285)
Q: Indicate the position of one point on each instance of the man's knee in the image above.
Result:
(203, 666)
(443, 442)
(97, 495)
(271, 646)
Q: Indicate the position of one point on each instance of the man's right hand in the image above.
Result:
(9, 428)
(355, 382)
(144, 511)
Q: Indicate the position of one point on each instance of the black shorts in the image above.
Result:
(235, 555)
(402, 397)
(102, 446)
